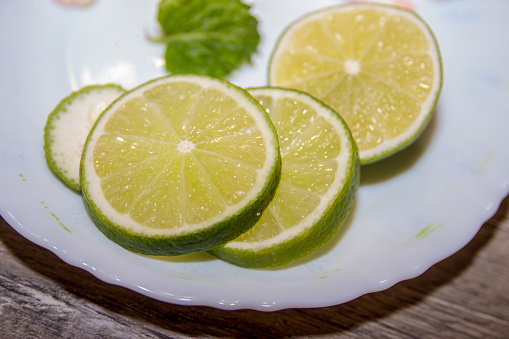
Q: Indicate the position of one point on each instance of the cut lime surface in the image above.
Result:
(68, 125)
(378, 66)
(320, 176)
(180, 164)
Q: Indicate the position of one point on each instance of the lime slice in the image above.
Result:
(180, 164)
(67, 128)
(378, 66)
(320, 176)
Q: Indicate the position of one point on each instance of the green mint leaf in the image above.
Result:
(211, 37)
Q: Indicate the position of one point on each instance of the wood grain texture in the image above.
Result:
(464, 296)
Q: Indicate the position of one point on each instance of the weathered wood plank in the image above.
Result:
(464, 296)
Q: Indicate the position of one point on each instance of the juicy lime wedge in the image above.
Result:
(378, 66)
(180, 164)
(320, 176)
(68, 125)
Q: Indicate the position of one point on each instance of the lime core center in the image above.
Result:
(185, 146)
(352, 67)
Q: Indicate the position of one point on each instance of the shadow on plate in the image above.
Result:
(186, 258)
(402, 161)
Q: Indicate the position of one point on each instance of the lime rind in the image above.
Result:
(192, 238)
(320, 226)
(411, 135)
(67, 127)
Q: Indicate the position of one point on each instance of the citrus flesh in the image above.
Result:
(378, 66)
(179, 165)
(320, 176)
(68, 125)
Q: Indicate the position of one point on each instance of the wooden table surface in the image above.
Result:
(464, 296)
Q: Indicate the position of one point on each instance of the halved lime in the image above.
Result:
(180, 164)
(68, 125)
(320, 176)
(378, 66)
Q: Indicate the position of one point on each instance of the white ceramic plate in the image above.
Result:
(412, 210)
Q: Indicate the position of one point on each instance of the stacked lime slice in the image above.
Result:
(320, 176)
(180, 164)
(378, 66)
